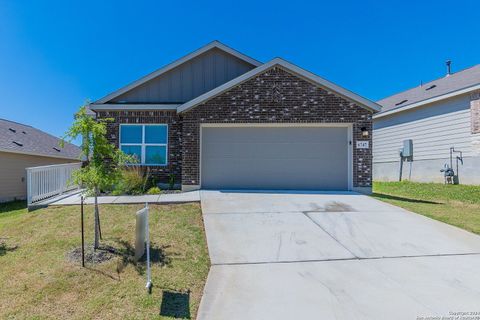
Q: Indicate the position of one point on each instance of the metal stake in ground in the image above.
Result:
(149, 275)
(83, 236)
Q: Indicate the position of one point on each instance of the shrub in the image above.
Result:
(171, 181)
(154, 190)
(132, 181)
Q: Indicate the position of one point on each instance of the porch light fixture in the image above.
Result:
(364, 132)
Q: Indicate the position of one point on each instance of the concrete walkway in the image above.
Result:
(332, 256)
(182, 197)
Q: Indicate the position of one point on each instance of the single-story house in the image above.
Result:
(218, 119)
(21, 147)
(437, 116)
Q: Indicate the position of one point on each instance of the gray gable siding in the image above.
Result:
(434, 128)
(188, 80)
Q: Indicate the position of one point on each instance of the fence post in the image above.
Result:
(29, 186)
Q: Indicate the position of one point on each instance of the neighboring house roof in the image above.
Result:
(20, 138)
(454, 84)
(291, 67)
(196, 53)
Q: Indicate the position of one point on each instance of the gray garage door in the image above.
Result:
(307, 158)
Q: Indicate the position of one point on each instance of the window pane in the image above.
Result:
(156, 134)
(156, 155)
(131, 134)
(135, 151)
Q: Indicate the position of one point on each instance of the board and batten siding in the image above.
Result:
(189, 80)
(434, 128)
(13, 185)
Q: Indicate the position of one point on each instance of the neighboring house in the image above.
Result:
(437, 116)
(23, 146)
(217, 119)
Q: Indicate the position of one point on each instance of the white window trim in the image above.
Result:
(144, 145)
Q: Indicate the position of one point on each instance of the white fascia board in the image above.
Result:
(289, 66)
(39, 154)
(427, 101)
(176, 63)
(100, 107)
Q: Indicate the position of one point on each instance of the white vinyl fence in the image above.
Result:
(49, 181)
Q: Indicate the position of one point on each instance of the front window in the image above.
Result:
(148, 143)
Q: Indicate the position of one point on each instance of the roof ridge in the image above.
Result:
(22, 124)
(42, 131)
(35, 141)
(429, 82)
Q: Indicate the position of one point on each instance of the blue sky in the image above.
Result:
(56, 54)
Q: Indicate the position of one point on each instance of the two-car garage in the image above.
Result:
(276, 156)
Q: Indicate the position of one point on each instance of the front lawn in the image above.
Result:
(458, 205)
(38, 282)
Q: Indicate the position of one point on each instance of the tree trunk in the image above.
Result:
(97, 223)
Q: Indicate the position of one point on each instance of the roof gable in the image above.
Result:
(302, 73)
(185, 78)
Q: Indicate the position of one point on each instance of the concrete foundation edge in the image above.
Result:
(364, 190)
(188, 187)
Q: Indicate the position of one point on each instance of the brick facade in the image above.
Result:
(169, 117)
(277, 96)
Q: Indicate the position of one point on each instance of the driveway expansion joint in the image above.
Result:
(345, 259)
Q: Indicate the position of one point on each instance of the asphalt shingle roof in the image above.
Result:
(455, 81)
(20, 138)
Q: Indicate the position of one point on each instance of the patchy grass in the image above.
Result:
(458, 205)
(38, 281)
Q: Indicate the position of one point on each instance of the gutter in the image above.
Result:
(40, 155)
(116, 107)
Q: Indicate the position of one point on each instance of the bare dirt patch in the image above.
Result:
(92, 256)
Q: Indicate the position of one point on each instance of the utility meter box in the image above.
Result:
(407, 151)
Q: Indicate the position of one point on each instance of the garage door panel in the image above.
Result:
(274, 158)
(274, 134)
(272, 150)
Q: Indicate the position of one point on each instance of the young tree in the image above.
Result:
(103, 160)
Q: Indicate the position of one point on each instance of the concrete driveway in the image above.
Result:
(333, 256)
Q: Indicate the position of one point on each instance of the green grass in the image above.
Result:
(37, 281)
(458, 205)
